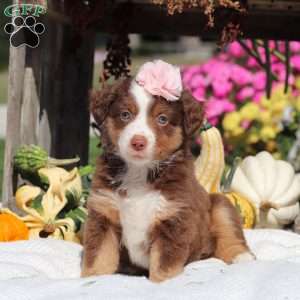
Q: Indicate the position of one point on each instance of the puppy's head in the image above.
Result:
(143, 128)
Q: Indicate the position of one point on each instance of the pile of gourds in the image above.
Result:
(265, 191)
(54, 206)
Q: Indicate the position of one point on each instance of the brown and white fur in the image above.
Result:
(146, 209)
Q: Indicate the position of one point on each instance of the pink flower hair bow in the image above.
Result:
(160, 79)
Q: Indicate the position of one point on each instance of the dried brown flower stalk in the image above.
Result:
(208, 6)
(117, 61)
(229, 34)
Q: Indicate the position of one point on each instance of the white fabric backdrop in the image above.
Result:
(49, 269)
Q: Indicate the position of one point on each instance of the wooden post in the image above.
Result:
(14, 107)
(48, 96)
(67, 70)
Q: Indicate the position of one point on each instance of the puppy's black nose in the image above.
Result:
(138, 142)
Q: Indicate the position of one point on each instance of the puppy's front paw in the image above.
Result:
(156, 278)
(244, 257)
(160, 276)
(103, 270)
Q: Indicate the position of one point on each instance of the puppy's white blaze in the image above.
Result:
(139, 208)
(139, 126)
(137, 212)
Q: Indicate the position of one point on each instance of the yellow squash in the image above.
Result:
(42, 220)
(245, 209)
(209, 166)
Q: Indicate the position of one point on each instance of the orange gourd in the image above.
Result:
(12, 228)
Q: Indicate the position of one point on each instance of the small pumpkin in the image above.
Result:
(245, 209)
(12, 228)
(271, 186)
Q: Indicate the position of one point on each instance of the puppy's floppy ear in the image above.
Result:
(100, 101)
(193, 113)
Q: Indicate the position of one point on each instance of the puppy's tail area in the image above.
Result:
(227, 230)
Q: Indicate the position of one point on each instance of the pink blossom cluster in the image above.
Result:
(229, 79)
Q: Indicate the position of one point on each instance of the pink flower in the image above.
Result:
(245, 124)
(282, 76)
(257, 97)
(274, 59)
(240, 75)
(199, 94)
(281, 46)
(295, 46)
(189, 72)
(251, 62)
(259, 80)
(262, 54)
(216, 107)
(236, 50)
(160, 79)
(206, 67)
(198, 81)
(213, 121)
(223, 56)
(244, 93)
(217, 69)
(221, 87)
(278, 67)
(295, 62)
(272, 44)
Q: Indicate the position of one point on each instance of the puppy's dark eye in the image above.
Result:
(125, 116)
(162, 120)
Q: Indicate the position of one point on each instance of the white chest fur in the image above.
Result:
(137, 212)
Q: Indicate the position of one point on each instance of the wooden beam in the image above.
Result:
(149, 19)
(277, 5)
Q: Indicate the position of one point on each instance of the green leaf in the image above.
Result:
(73, 199)
(78, 215)
(86, 170)
(36, 203)
(86, 173)
(228, 179)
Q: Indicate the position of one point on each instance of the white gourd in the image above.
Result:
(271, 186)
(268, 164)
(249, 167)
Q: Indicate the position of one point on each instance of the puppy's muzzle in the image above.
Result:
(138, 143)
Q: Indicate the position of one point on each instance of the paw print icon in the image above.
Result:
(24, 31)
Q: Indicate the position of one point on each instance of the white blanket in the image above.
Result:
(49, 269)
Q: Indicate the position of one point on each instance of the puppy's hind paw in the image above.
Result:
(244, 257)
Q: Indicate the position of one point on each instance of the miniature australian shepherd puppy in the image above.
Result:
(146, 209)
